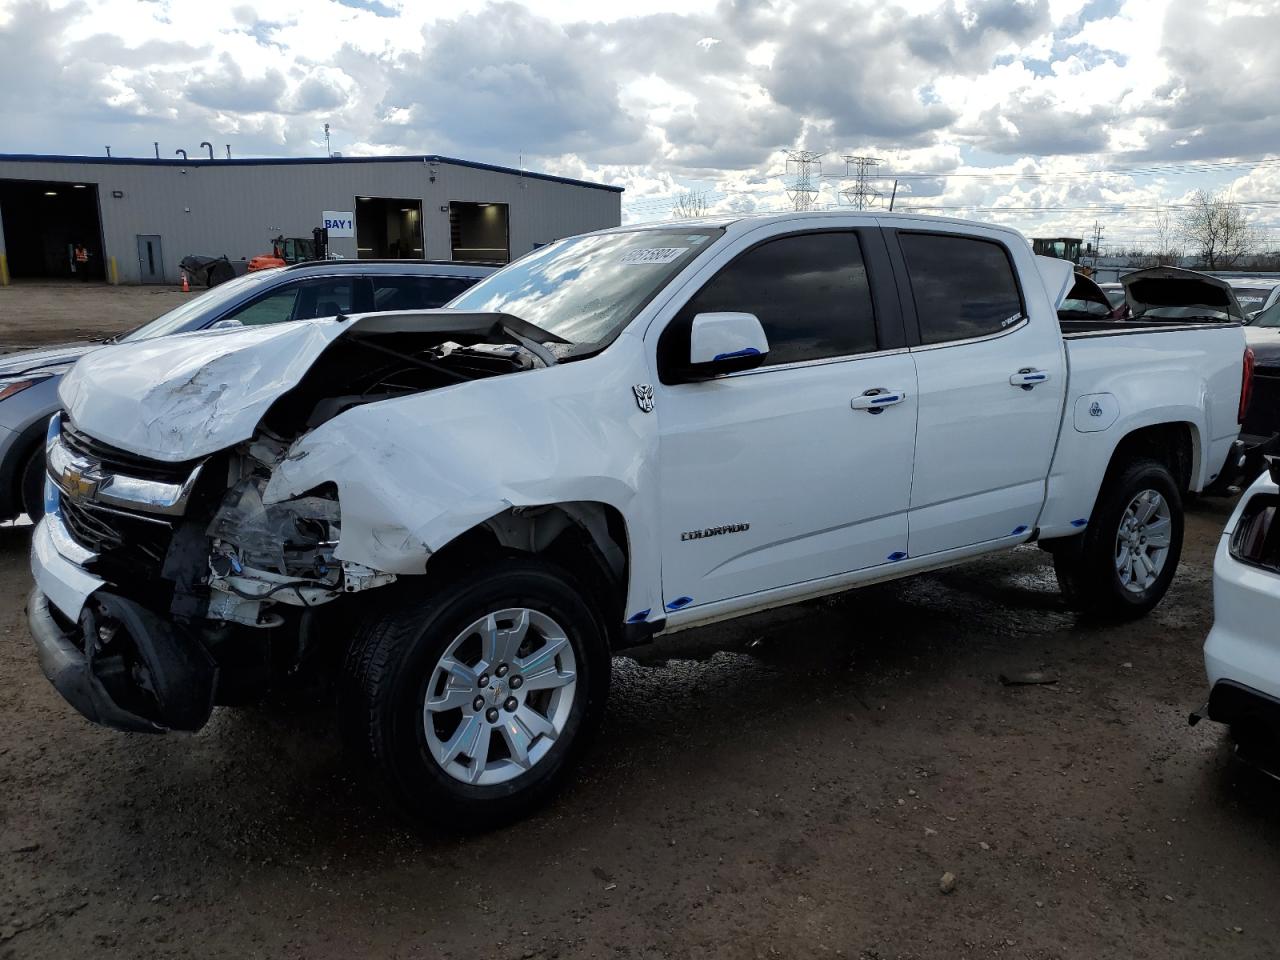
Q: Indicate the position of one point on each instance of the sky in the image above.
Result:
(1049, 115)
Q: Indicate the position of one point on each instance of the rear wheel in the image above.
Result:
(1122, 565)
(475, 703)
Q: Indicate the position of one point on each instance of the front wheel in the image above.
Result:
(33, 485)
(1122, 565)
(474, 703)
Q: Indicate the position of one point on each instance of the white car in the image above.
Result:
(622, 434)
(1242, 652)
(1254, 293)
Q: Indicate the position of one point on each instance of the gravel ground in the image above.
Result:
(37, 313)
(792, 784)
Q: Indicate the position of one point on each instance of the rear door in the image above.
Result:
(771, 477)
(992, 375)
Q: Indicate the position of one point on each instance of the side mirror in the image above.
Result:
(721, 343)
(226, 324)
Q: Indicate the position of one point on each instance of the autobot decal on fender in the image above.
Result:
(714, 531)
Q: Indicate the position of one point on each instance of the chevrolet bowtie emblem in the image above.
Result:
(77, 483)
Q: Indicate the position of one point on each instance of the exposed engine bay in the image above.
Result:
(264, 554)
(218, 550)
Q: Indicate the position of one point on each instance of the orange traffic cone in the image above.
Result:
(186, 287)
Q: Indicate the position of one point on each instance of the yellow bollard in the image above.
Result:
(4, 271)
(114, 276)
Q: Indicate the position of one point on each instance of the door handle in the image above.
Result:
(1028, 377)
(877, 398)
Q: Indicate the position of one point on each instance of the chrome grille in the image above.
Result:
(127, 545)
(114, 460)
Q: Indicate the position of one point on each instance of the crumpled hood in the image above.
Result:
(36, 361)
(187, 396)
(1176, 287)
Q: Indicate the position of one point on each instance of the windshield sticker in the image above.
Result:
(653, 255)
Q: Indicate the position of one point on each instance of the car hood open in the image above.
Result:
(1175, 287)
(187, 396)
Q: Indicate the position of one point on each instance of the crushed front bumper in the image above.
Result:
(112, 659)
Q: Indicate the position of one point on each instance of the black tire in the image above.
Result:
(220, 272)
(391, 664)
(1086, 564)
(33, 485)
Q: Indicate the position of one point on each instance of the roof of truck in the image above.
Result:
(744, 221)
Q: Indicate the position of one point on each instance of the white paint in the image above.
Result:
(1244, 645)
(66, 585)
(715, 336)
(984, 444)
(339, 223)
(1095, 412)
(816, 493)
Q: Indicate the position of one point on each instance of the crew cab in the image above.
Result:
(622, 434)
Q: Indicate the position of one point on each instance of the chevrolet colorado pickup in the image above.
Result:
(622, 434)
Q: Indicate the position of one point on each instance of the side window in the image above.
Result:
(325, 297)
(810, 292)
(963, 287)
(416, 293)
(274, 308)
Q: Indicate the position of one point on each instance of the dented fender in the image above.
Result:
(416, 472)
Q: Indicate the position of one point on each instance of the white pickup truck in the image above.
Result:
(622, 434)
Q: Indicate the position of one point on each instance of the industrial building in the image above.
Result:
(137, 218)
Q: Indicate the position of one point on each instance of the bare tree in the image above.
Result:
(690, 206)
(1168, 242)
(1217, 229)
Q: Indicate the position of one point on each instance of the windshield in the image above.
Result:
(1251, 298)
(1115, 293)
(181, 317)
(586, 289)
(1269, 317)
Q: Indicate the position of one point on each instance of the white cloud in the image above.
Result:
(666, 95)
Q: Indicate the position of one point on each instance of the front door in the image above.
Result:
(150, 261)
(992, 378)
(774, 476)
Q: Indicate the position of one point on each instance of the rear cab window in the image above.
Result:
(964, 287)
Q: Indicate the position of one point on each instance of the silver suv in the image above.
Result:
(29, 380)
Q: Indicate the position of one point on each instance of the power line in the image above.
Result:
(861, 194)
(800, 164)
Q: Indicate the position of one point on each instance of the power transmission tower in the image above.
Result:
(860, 193)
(803, 189)
(1097, 239)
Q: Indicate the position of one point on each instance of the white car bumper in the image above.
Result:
(1242, 651)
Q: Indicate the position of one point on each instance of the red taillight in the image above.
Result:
(1246, 384)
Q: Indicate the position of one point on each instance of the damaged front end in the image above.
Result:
(263, 556)
(166, 584)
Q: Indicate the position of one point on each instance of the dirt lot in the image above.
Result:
(792, 785)
(33, 314)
